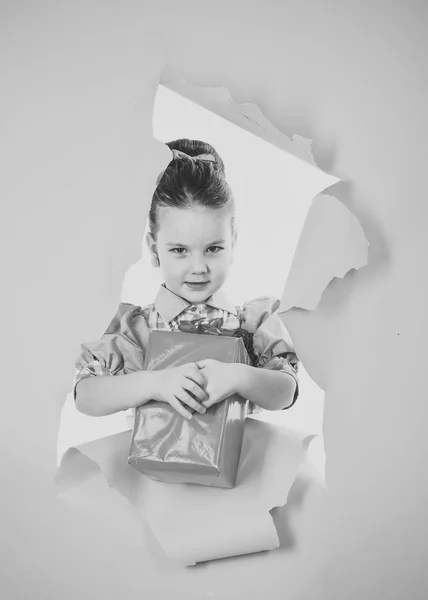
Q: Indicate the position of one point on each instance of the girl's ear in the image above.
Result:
(152, 246)
(234, 238)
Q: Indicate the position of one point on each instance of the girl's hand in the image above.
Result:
(222, 378)
(178, 385)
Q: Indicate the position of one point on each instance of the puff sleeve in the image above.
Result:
(121, 349)
(272, 344)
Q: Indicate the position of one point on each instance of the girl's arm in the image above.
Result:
(272, 390)
(99, 396)
(178, 386)
(273, 384)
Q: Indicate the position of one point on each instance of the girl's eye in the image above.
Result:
(211, 250)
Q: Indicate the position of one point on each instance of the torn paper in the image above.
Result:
(76, 428)
(199, 523)
(331, 244)
(194, 523)
(247, 115)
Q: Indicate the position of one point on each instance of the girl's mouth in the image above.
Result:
(197, 286)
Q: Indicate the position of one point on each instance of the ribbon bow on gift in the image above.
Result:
(203, 325)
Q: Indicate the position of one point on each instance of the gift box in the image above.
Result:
(206, 449)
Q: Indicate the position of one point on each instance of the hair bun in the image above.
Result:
(197, 148)
(195, 178)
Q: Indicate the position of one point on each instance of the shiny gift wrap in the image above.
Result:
(206, 449)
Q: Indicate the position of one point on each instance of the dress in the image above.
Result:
(121, 349)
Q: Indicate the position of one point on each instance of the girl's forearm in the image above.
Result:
(98, 396)
(272, 390)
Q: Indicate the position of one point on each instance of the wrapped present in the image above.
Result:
(206, 449)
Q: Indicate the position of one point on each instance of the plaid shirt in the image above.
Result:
(165, 313)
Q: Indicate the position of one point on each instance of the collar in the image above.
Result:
(169, 305)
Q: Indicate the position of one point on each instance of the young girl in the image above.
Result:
(191, 239)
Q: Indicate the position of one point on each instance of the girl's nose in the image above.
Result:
(199, 265)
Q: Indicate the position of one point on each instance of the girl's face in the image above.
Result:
(194, 247)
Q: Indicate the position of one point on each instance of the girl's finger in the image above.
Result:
(185, 397)
(180, 408)
(209, 402)
(194, 389)
(197, 377)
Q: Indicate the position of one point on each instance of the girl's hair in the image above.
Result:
(188, 183)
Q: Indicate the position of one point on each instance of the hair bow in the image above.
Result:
(178, 154)
(204, 157)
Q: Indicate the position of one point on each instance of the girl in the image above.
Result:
(191, 239)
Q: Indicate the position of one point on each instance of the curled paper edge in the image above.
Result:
(331, 244)
(107, 456)
(74, 493)
(247, 115)
(265, 511)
